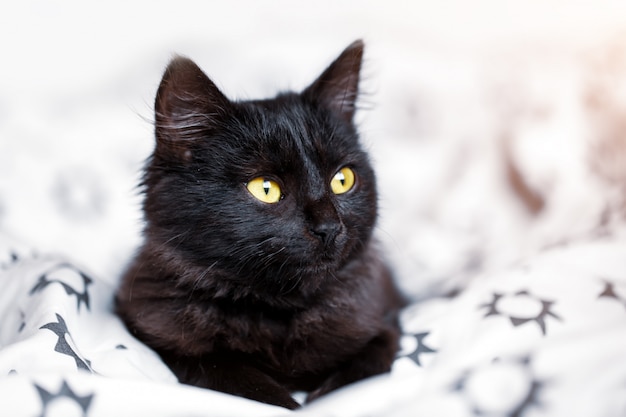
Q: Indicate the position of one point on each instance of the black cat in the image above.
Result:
(259, 274)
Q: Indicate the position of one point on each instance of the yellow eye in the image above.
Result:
(265, 190)
(343, 181)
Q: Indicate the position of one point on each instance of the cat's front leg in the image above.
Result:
(230, 375)
(374, 359)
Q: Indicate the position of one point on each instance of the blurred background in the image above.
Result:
(497, 127)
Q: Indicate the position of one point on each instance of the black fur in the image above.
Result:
(251, 298)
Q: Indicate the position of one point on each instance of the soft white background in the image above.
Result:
(449, 84)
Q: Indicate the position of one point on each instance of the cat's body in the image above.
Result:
(258, 275)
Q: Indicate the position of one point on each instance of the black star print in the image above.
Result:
(81, 296)
(65, 391)
(609, 292)
(531, 398)
(13, 259)
(60, 329)
(23, 323)
(421, 348)
(493, 311)
(540, 319)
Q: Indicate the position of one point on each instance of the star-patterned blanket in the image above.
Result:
(546, 337)
(500, 153)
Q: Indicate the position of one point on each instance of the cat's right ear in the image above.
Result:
(338, 86)
(188, 106)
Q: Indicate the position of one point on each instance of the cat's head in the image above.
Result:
(277, 193)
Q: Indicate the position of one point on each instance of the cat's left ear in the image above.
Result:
(188, 106)
(338, 86)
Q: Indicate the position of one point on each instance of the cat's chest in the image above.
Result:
(259, 328)
(294, 340)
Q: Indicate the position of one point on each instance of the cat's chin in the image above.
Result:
(304, 280)
(323, 267)
(320, 272)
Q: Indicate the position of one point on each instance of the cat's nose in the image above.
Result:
(326, 232)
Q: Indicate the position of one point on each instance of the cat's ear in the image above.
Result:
(188, 106)
(338, 86)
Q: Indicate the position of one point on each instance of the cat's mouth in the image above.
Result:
(307, 260)
(327, 258)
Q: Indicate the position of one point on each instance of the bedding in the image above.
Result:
(545, 337)
(502, 171)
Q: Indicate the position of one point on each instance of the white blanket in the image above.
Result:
(545, 337)
(497, 134)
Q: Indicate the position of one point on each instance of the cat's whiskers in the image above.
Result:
(268, 260)
(173, 238)
(295, 282)
(250, 254)
(200, 278)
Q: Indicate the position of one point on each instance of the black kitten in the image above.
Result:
(258, 275)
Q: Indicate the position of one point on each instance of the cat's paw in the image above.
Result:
(270, 394)
(253, 384)
(375, 359)
(335, 381)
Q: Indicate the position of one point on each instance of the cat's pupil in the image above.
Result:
(266, 187)
(341, 178)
